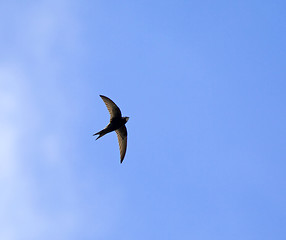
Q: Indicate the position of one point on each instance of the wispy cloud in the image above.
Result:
(30, 206)
(14, 181)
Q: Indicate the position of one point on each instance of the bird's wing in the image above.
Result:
(113, 110)
(122, 140)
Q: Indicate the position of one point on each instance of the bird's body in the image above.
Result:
(114, 124)
(117, 124)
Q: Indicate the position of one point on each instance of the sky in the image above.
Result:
(203, 83)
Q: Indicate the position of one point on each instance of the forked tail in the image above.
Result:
(100, 133)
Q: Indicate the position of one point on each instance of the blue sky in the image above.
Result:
(203, 83)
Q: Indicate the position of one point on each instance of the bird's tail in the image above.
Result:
(100, 133)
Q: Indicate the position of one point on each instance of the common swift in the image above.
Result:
(117, 124)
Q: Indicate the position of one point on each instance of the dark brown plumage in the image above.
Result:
(117, 124)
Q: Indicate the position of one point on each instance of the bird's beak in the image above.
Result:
(127, 118)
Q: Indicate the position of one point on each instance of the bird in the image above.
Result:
(117, 124)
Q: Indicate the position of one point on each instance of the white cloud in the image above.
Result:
(11, 106)
(14, 183)
(22, 214)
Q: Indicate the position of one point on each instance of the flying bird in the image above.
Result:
(117, 124)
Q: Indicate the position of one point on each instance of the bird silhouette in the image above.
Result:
(117, 124)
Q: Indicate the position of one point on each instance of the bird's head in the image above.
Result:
(126, 119)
